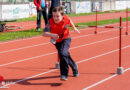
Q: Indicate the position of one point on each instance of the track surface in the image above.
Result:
(30, 63)
(32, 24)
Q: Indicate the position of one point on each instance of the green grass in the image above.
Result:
(30, 33)
(18, 35)
(103, 22)
(27, 19)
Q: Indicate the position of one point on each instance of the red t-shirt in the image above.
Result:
(61, 28)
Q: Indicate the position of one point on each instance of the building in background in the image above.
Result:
(14, 9)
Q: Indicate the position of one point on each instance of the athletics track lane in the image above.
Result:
(43, 49)
(47, 83)
(36, 41)
(88, 75)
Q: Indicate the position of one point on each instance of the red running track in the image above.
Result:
(30, 62)
(78, 19)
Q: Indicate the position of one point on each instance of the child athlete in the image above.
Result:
(58, 30)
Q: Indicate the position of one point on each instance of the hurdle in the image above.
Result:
(96, 20)
(120, 68)
(120, 27)
(96, 31)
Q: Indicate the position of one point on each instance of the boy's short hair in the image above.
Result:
(59, 9)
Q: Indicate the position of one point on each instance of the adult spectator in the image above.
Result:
(41, 6)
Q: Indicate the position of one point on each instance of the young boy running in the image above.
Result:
(58, 30)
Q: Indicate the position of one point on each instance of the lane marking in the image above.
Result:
(58, 69)
(29, 78)
(104, 80)
(27, 47)
(11, 50)
(56, 52)
(103, 54)
(5, 42)
(49, 42)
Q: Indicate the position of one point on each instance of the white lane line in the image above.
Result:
(104, 80)
(28, 46)
(27, 59)
(95, 42)
(94, 34)
(103, 54)
(57, 69)
(20, 40)
(56, 52)
(49, 42)
(11, 50)
(29, 78)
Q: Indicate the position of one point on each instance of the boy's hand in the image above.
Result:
(55, 36)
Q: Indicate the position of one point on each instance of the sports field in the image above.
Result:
(30, 63)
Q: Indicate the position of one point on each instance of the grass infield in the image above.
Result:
(30, 33)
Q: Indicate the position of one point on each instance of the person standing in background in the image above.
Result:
(41, 6)
(53, 4)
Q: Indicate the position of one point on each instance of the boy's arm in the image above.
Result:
(73, 26)
(47, 33)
